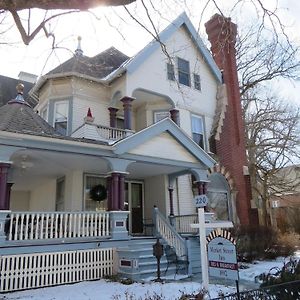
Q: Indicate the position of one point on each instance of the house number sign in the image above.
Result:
(200, 200)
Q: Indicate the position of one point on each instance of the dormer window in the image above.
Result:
(183, 71)
(61, 111)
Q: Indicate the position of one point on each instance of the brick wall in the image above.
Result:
(230, 147)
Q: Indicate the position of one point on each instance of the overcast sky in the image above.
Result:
(105, 27)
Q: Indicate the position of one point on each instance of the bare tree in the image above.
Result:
(273, 140)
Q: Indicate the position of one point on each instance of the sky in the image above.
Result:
(103, 27)
(104, 290)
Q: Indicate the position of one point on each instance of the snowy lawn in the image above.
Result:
(105, 290)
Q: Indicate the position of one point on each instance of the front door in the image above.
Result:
(134, 192)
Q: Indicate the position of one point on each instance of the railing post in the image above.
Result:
(4, 224)
(154, 219)
(188, 251)
(118, 223)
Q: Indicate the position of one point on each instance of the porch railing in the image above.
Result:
(110, 133)
(168, 233)
(182, 223)
(56, 225)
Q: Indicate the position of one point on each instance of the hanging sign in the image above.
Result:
(221, 252)
(200, 200)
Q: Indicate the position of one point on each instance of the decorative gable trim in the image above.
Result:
(165, 125)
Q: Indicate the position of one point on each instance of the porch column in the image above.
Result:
(200, 187)
(171, 190)
(175, 115)
(121, 191)
(109, 193)
(4, 201)
(112, 116)
(127, 111)
(8, 192)
(115, 191)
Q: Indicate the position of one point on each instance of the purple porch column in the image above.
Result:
(121, 191)
(112, 116)
(127, 111)
(175, 115)
(115, 191)
(200, 187)
(4, 201)
(109, 193)
(8, 192)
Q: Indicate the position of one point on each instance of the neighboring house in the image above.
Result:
(133, 133)
(8, 88)
(284, 205)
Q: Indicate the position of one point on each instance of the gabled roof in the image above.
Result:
(165, 125)
(182, 20)
(98, 66)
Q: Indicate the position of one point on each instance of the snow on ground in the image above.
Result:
(105, 290)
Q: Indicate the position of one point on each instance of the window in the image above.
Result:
(90, 182)
(159, 115)
(170, 71)
(197, 83)
(183, 71)
(198, 130)
(61, 116)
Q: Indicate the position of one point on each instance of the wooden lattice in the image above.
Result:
(27, 271)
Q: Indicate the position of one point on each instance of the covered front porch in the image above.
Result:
(49, 217)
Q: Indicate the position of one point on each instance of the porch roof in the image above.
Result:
(164, 126)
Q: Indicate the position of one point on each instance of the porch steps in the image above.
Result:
(195, 260)
(138, 263)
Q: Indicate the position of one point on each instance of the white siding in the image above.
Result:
(185, 194)
(164, 146)
(43, 197)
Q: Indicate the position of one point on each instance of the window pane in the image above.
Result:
(61, 127)
(197, 84)
(184, 72)
(61, 111)
(171, 73)
(197, 125)
(90, 204)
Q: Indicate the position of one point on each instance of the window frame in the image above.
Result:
(170, 72)
(56, 103)
(197, 83)
(182, 72)
(203, 130)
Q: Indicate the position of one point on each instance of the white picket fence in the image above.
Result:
(26, 271)
(57, 225)
(182, 224)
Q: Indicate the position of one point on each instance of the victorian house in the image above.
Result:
(115, 150)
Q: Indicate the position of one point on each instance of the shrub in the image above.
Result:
(260, 242)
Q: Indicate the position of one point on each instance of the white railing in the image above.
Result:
(183, 223)
(169, 234)
(57, 225)
(110, 133)
(26, 271)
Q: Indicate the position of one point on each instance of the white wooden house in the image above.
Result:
(137, 128)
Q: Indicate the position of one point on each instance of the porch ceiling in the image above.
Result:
(33, 167)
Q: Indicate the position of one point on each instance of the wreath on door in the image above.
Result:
(98, 193)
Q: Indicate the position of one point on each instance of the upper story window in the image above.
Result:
(184, 72)
(61, 111)
(170, 72)
(198, 130)
(197, 83)
(159, 115)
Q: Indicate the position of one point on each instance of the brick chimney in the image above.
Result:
(230, 147)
